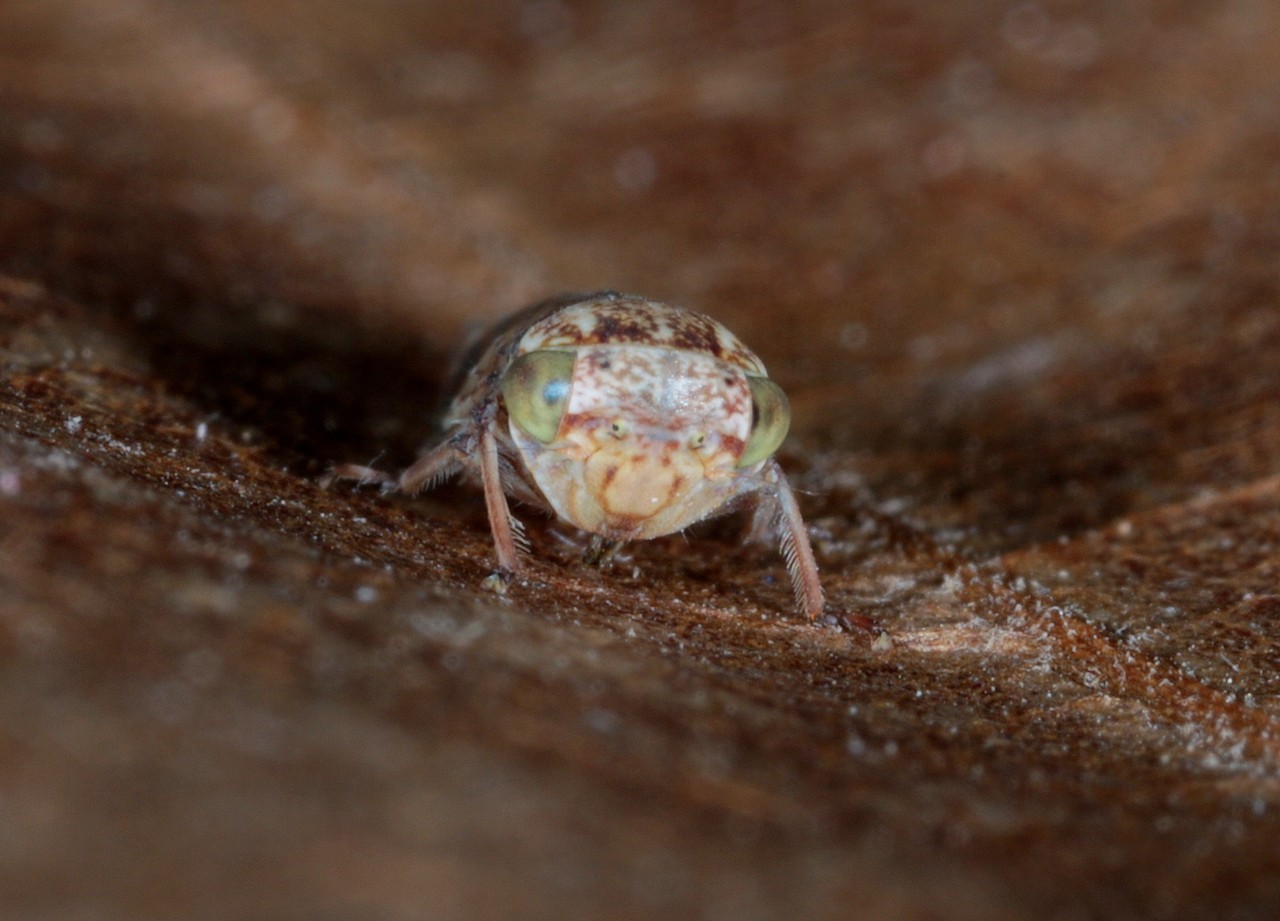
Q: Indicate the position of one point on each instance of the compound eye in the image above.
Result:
(770, 419)
(536, 391)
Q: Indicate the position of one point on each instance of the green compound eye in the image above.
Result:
(770, 419)
(536, 391)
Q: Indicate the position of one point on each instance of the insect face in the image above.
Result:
(647, 439)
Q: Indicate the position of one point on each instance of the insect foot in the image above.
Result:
(496, 582)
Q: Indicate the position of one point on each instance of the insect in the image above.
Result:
(628, 418)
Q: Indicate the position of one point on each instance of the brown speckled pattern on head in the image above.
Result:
(662, 388)
(620, 319)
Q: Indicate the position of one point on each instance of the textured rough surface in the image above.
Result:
(1015, 266)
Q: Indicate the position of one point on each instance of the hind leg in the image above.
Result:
(436, 465)
(780, 505)
(360, 475)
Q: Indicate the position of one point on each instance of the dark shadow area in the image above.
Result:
(229, 318)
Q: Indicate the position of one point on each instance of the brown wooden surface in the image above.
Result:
(1016, 265)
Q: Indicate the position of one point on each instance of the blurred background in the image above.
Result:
(1015, 264)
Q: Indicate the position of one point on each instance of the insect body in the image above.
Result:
(629, 418)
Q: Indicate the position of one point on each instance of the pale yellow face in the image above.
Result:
(638, 436)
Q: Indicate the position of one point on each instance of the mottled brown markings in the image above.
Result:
(695, 333)
(612, 327)
(624, 320)
(611, 322)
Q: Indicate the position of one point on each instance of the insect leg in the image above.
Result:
(438, 464)
(600, 550)
(796, 549)
(500, 522)
(361, 475)
(762, 526)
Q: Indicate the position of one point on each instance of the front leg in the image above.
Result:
(600, 550)
(495, 502)
(796, 549)
(443, 461)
